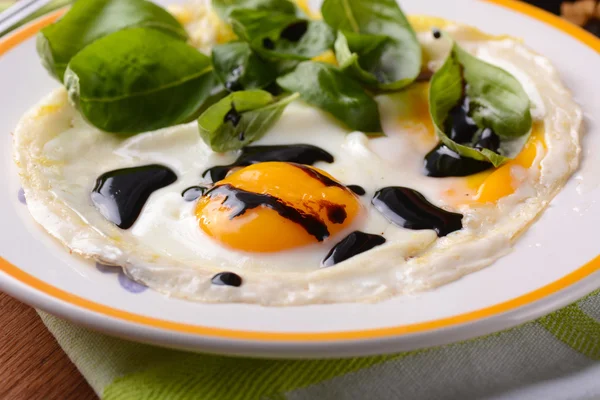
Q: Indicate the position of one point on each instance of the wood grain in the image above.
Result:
(32, 365)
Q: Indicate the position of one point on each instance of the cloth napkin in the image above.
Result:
(555, 357)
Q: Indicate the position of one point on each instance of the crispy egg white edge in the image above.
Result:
(367, 277)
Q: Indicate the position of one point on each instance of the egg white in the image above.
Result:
(59, 157)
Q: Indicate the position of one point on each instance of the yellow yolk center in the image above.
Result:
(276, 206)
(501, 182)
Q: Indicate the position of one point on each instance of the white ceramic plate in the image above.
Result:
(553, 265)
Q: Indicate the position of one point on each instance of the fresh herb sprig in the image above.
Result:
(495, 101)
(128, 68)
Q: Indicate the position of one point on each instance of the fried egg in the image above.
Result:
(191, 246)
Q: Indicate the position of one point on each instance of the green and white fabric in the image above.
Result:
(555, 357)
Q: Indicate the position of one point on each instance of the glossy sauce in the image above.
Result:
(355, 243)
(239, 201)
(488, 140)
(442, 162)
(295, 31)
(336, 213)
(227, 279)
(459, 126)
(120, 195)
(232, 116)
(268, 44)
(233, 83)
(192, 193)
(324, 179)
(296, 153)
(409, 209)
(358, 190)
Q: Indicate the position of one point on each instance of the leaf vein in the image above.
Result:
(146, 92)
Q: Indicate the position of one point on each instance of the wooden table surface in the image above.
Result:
(32, 365)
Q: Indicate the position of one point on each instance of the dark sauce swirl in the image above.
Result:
(297, 153)
(294, 32)
(461, 128)
(358, 190)
(227, 279)
(233, 116)
(120, 195)
(239, 201)
(192, 193)
(488, 140)
(324, 179)
(355, 243)
(409, 209)
(442, 162)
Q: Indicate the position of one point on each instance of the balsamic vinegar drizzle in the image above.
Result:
(233, 82)
(268, 44)
(488, 140)
(335, 212)
(355, 243)
(295, 31)
(297, 153)
(409, 209)
(120, 195)
(359, 190)
(227, 279)
(192, 193)
(460, 127)
(324, 179)
(443, 162)
(233, 116)
(239, 201)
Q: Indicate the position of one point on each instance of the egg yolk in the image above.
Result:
(492, 186)
(276, 206)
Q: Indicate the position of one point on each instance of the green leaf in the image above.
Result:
(497, 101)
(500, 100)
(224, 8)
(253, 25)
(328, 88)
(348, 58)
(384, 64)
(280, 36)
(137, 80)
(317, 39)
(241, 118)
(239, 67)
(90, 20)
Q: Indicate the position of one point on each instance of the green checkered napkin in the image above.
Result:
(555, 357)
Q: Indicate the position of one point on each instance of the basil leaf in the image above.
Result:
(240, 119)
(303, 40)
(224, 8)
(238, 67)
(347, 56)
(253, 25)
(501, 102)
(279, 35)
(391, 65)
(137, 80)
(90, 20)
(497, 101)
(327, 87)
